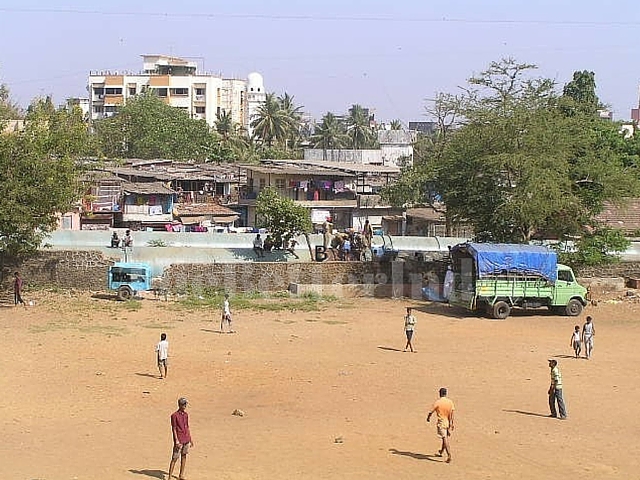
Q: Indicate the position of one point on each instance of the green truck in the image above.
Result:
(494, 278)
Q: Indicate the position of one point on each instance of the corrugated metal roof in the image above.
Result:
(150, 188)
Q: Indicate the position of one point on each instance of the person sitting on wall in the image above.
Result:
(127, 241)
(115, 240)
(268, 244)
(258, 246)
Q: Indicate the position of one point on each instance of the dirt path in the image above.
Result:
(81, 398)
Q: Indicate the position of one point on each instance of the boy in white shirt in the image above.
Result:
(162, 351)
(226, 314)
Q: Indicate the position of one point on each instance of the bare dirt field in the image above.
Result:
(326, 394)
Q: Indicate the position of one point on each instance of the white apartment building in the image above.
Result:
(177, 82)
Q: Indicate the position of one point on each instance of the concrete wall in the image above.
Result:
(347, 156)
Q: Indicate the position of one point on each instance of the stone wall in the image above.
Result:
(85, 270)
(263, 276)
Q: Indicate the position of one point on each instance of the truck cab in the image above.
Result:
(127, 278)
(568, 294)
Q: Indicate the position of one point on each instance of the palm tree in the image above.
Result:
(358, 128)
(330, 134)
(271, 123)
(224, 124)
(293, 119)
(396, 124)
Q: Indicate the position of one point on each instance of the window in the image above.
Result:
(161, 92)
(98, 91)
(263, 183)
(132, 90)
(280, 183)
(98, 109)
(113, 91)
(201, 110)
(200, 91)
(180, 92)
(565, 276)
(110, 108)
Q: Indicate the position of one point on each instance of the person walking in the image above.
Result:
(181, 435)
(588, 332)
(226, 314)
(409, 325)
(576, 341)
(555, 392)
(162, 353)
(18, 284)
(443, 408)
(367, 233)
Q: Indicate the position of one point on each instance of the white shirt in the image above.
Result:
(257, 243)
(588, 330)
(226, 309)
(163, 349)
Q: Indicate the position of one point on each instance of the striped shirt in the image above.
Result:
(556, 378)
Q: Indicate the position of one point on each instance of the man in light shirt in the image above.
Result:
(162, 352)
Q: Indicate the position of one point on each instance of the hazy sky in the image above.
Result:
(389, 55)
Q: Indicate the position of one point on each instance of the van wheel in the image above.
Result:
(573, 308)
(125, 292)
(501, 310)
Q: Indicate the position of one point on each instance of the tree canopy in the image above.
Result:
(281, 216)
(40, 171)
(510, 160)
(146, 127)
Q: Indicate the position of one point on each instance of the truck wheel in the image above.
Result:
(501, 310)
(573, 308)
(124, 292)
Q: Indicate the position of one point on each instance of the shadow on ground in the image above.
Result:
(391, 349)
(150, 473)
(523, 412)
(417, 456)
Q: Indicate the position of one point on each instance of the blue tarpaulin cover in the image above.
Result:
(500, 258)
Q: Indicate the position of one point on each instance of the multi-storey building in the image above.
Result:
(178, 83)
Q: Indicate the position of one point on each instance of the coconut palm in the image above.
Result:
(396, 124)
(271, 122)
(329, 134)
(293, 119)
(358, 128)
(224, 124)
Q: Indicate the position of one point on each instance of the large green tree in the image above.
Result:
(516, 165)
(282, 216)
(146, 127)
(39, 167)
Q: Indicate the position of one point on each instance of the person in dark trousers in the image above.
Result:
(258, 247)
(181, 435)
(555, 392)
(409, 325)
(444, 409)
(18, 284)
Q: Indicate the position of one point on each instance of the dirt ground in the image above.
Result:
(326, 395)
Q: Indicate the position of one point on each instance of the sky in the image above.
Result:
(391, 56)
